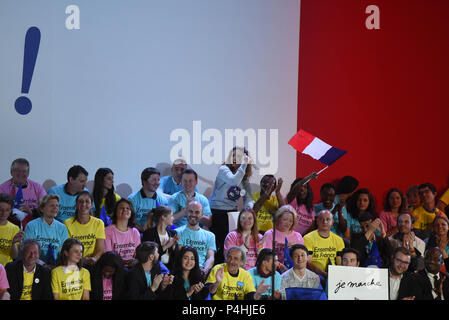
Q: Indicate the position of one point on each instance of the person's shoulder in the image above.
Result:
(69, 221)
(6, 185)
(12, 226)
(36, 222)
(59, 189)
(311, 235)
(165, 178)
(134, 195)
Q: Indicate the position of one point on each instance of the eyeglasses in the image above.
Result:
(402, 262)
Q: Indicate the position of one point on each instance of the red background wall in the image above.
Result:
(382, 95)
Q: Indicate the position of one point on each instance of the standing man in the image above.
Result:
(194, 236)
(147, 198)
(179, 200)
(76, 182)
(27, 279)
(32, 191)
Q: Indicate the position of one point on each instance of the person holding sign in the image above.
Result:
(324, 245)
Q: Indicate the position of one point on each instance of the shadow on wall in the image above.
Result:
(48, 184)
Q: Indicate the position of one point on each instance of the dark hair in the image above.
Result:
(327, 186)
(20, 161)
(429, 185)
(354, 211)
(148, 172)
(195, 275)
(97, 193)
(406, 213)
(66, 246)
(82, 193)
(264, 255)
(108, 259)
(75, 171)
(132, 218)
(190, 171)
(144, 250)
(366, 216)
(27, 242)
(4, 197)
(347, 184)
(350, 250)
(308, 201)
(297, 247)
(155, 214)
(387, 206)
(402, 250)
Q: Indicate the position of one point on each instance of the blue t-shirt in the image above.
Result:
(335, 229)
(202, 240)
(257, 279)
(143, 204)
(169, 186)
(178, 202)
(55, 235)
(67, 202)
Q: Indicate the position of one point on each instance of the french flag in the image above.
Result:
(307, 143)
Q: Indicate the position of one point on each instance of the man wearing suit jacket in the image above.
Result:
(29, 280)
(430, 283)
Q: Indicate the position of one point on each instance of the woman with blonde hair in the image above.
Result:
(231, 184)
(285, 223)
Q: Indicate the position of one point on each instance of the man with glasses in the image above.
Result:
(397, 272)
(32, 191)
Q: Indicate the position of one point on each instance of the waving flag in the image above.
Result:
(306, 143)
(18, 200)
(103, 216)
(287, 261)
(373, 258)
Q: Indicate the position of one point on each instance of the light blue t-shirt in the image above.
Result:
(178, 202)
(169, 186)
(335, 229)
(67, 202)
(143, 204)
(55, 235)
(257, 280)
(202, 240)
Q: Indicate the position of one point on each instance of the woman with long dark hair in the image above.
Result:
(188, 283)
(300, 197)
(394, 204)
(360, 202)
(103, 192)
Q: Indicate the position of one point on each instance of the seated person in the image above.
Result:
(103, 193)
(263, 271)
(299, 276)
(32, 191)
(350, 257)
(108, 278)
(4, 285)
(172, 184)
(394, 204)
(76, 182)
(29, 280)
(228, 281)
(178, 201)
(266, 204)
(10, 234)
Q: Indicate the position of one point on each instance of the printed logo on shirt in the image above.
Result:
(234, 193)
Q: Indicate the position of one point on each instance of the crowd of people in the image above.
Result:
(167, 241)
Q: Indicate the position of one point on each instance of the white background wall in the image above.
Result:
(110, 93)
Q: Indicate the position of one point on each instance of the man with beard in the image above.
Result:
(405, 237)
(29, 280)
(399, 275)
(146, 281)
(193, 235)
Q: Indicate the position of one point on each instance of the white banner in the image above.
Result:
(351, 283)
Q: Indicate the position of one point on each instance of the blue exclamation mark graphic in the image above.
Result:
(32, 40)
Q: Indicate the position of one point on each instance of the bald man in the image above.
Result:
(193, 235)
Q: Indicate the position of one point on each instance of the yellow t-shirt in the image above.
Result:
(445, 197)
(117, 198)
(424, 218)
(70, 284)
(231, 286)
(323, 248)
(86, 233)
(7, 233)
(265, 214)
(27, 285)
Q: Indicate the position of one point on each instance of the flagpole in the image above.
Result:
(316, 174)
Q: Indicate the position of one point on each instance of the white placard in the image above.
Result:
(233, 218)
(351, 283)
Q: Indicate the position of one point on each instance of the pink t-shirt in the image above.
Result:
(235, 239)
(388, 220)
(4, 284)
(292, 238)
(305, 218)
(107, 289)
(124, 243)
(31, 194)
